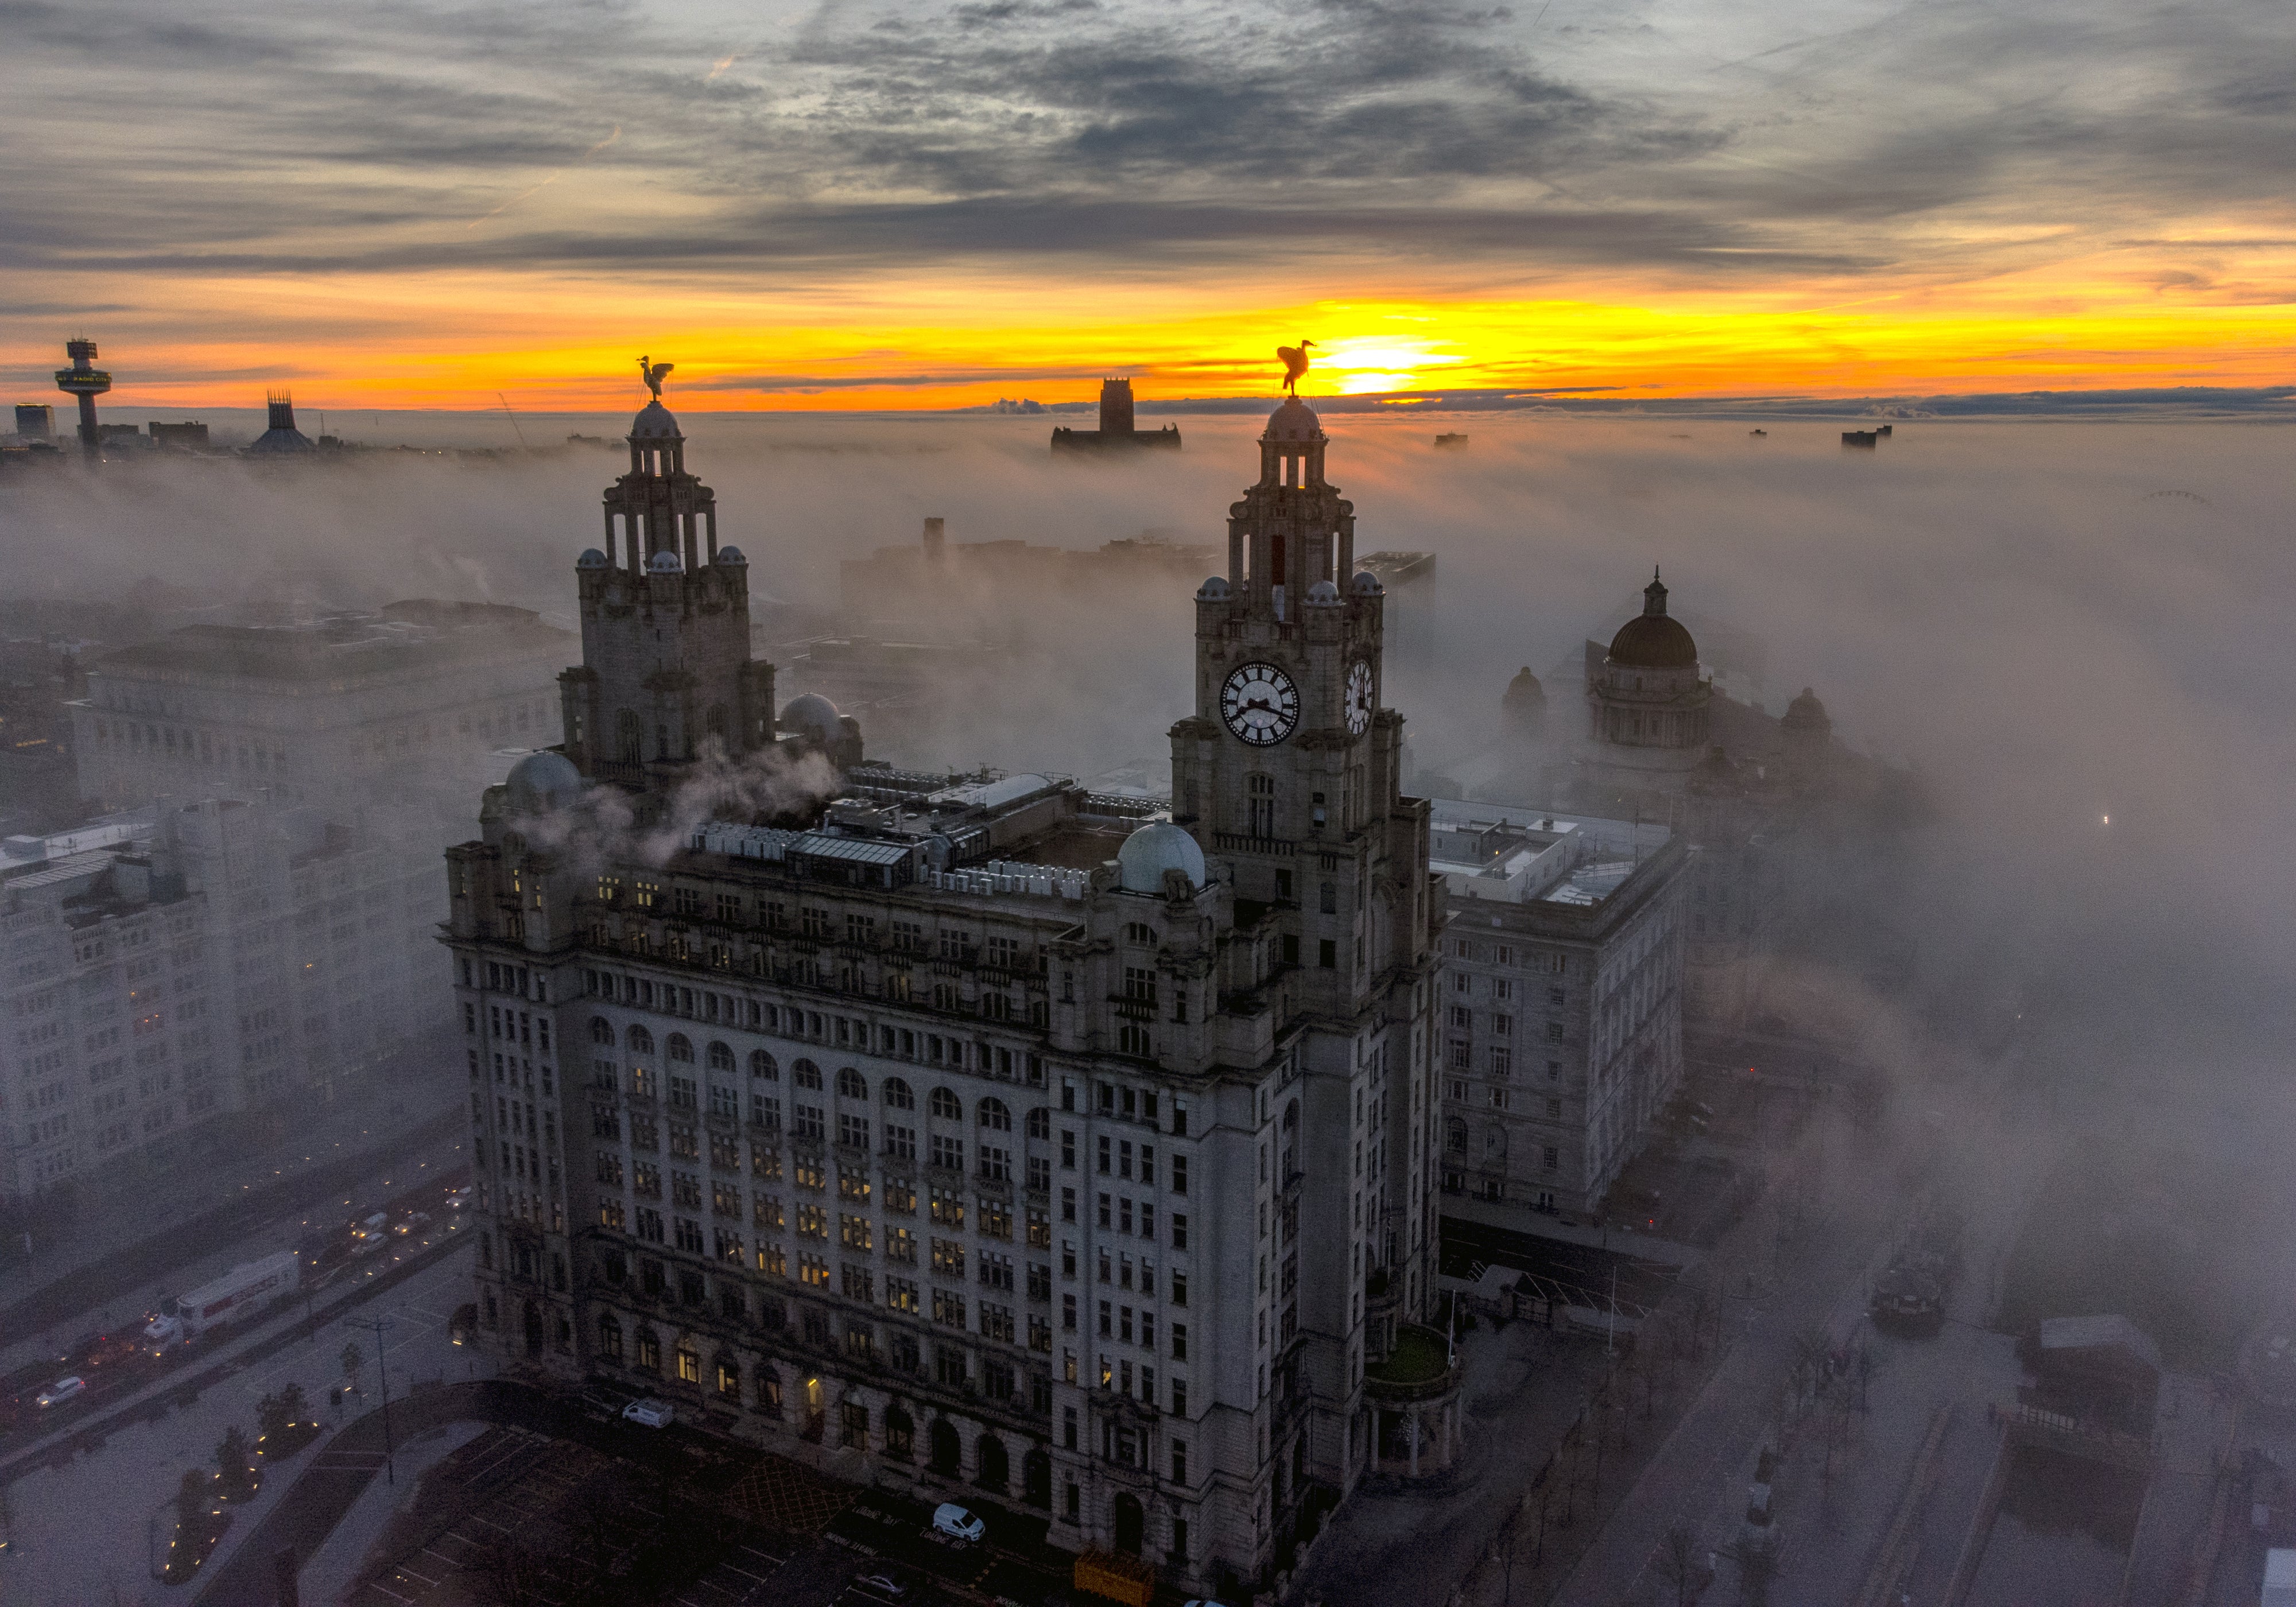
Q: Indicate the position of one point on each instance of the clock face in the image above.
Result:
(1260, 704)
(1358, 698)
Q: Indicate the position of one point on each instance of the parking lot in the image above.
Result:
(606, 1512)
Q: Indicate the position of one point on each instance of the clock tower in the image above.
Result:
(1289, 773)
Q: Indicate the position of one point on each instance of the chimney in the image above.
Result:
(933, 539)
(1116, 407)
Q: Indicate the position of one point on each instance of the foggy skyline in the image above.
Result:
(890, 206)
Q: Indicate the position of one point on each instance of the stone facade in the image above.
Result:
(995, 1134)
(191, 962)
(1561, 1001)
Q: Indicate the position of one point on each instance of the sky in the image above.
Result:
(921, 205)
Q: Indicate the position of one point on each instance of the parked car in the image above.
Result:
(64, 1388)
(958, 1523)
(653, 1413)
(883, 1586)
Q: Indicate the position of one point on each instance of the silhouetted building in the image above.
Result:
(1116, 431)
(190, 437)
(36, 420)
(282, 438)
(86, 382)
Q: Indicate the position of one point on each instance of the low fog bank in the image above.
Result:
(2072, 631)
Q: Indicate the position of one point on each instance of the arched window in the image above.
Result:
(1494, 1140)
(1140, 932)
(1132, 1038)
(1040, 1123)
(769, 1392)
(729, 1377)
(945, 1105)
(761, 1064)
(681, 1047)
(721, 1058)
(994, 1115)
(850, 1085)
(898, 1096)
(601, 1030)
(1456, 1136)
(609, 1337)
(629, 738)
(805, 1074)
(640, 1040)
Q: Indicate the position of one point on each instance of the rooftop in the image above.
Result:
(1517, 855)
(419, 633)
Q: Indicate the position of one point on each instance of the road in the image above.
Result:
(87, 1526)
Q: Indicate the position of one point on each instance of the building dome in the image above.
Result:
(1158, 846)
(1652, 639)
(1215, 590)
(1294, 420)
(665, 562)
(815, 716)
(1806, 713)
(655, 422)
(1367, 584)
(591, 559)
(1523, 693)
(542, 782)
(1322, 595)
(732, 555)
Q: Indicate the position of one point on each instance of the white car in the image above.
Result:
(61, 1391)
(653, 1413)
(883, 1586)
(958, 1523)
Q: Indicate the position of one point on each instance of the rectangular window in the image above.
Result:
(901, 1294)
(1179, 1230)
(900, 1245)
(949, 1309)
(948, 1258)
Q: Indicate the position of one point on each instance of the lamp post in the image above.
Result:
(379, 1326)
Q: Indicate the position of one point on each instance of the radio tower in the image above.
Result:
(88, 383)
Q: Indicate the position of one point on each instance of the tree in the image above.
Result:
(353, 1360)
(234, 1462)
(194, 1493)
(1678, 1564)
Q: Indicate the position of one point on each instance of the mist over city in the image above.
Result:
(1039, 805)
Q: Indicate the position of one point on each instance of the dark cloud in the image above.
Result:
(403, 136)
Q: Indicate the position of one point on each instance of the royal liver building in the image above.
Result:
(988, 1136)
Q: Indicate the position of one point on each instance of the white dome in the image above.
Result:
(1367, 584)
(591, 559)
(731, 555)
(655, 422)
(813, 714)
(1322, 595)
(1214, 590)
(1294, 420)
(665, 562)
(1158, 846)
(542, 782)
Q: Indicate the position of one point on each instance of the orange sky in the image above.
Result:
(927, 205)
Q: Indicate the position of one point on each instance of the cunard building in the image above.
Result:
(992, 1136)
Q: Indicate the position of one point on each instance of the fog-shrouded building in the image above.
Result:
(1560, 1011)
(981, 1136)
(381, 717)
(181, 962)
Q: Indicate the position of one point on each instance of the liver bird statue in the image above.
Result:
(653, 373)
(1295, 364)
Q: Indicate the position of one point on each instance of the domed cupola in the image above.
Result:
(1153, 849)
(1654, 639)
(1647, 705)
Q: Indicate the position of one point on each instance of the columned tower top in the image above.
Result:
(658, 508)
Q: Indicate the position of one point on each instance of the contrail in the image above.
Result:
(547, 183)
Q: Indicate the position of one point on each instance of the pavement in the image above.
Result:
(1406, 1544)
